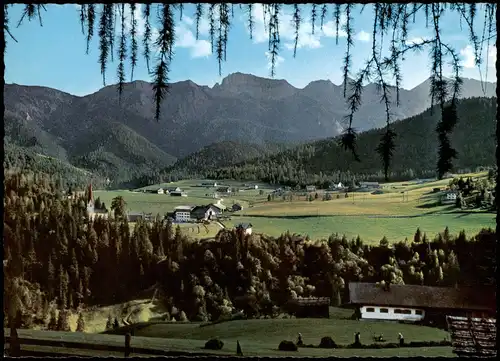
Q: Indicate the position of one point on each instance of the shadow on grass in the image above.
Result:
(429, 205)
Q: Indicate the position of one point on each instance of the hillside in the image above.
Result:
(221, 154)
(121, 141)
(415, 153)
(16, 157)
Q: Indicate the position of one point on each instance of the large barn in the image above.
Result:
(414, 303)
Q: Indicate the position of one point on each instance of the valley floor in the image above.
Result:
(392, 214)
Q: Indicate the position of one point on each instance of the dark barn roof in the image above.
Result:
(244, 225)
(310, 301)
(422, 296)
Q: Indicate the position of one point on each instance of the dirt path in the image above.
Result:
(220, 225)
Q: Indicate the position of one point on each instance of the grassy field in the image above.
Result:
(262, 337)
(369, 229)
(258, 337)
(369, 216)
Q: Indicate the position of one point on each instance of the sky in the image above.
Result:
(53, 55)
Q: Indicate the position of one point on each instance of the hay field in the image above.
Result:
(370, 216)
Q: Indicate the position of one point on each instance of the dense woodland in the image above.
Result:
(22, 159)
(323, 162)
(54, 252)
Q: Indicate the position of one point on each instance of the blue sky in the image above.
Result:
(54, 55)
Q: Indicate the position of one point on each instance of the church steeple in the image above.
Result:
(90, 194)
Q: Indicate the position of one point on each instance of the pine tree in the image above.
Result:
(80, 325)
(51, 278)
(63, 287)
(109, 323)
(63, 320)
(417, 237)
(52, 325)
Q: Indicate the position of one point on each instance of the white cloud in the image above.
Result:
(186, 39)
(492, 55)
(363, 36)
(140, 21)
(203, 26)
(468, 57)
(277, 61)
(287, 29)
(189, 21)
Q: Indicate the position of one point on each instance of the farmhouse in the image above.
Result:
(219, 205)
(371, 185)
(246, 227)
(205, 212)
(449, 198)
(183, 213)
(236, 207)
(178, 194)
(160, 191)
(174, 189)
(309, 307)
(310, 188)
(413, 303)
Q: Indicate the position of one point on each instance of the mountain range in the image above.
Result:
(121, 139)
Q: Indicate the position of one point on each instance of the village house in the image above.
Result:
(160, 191)
(414, 303)
(178, 194)
(246, 227)
(449, 198)
(183, 213)
(310, 188)
(220, 206)
(207, 212)
(173, 189)
(236, 207)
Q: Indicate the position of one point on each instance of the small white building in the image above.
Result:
(310, 188)
(449, 198)
(160, 191)
(246, 227)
